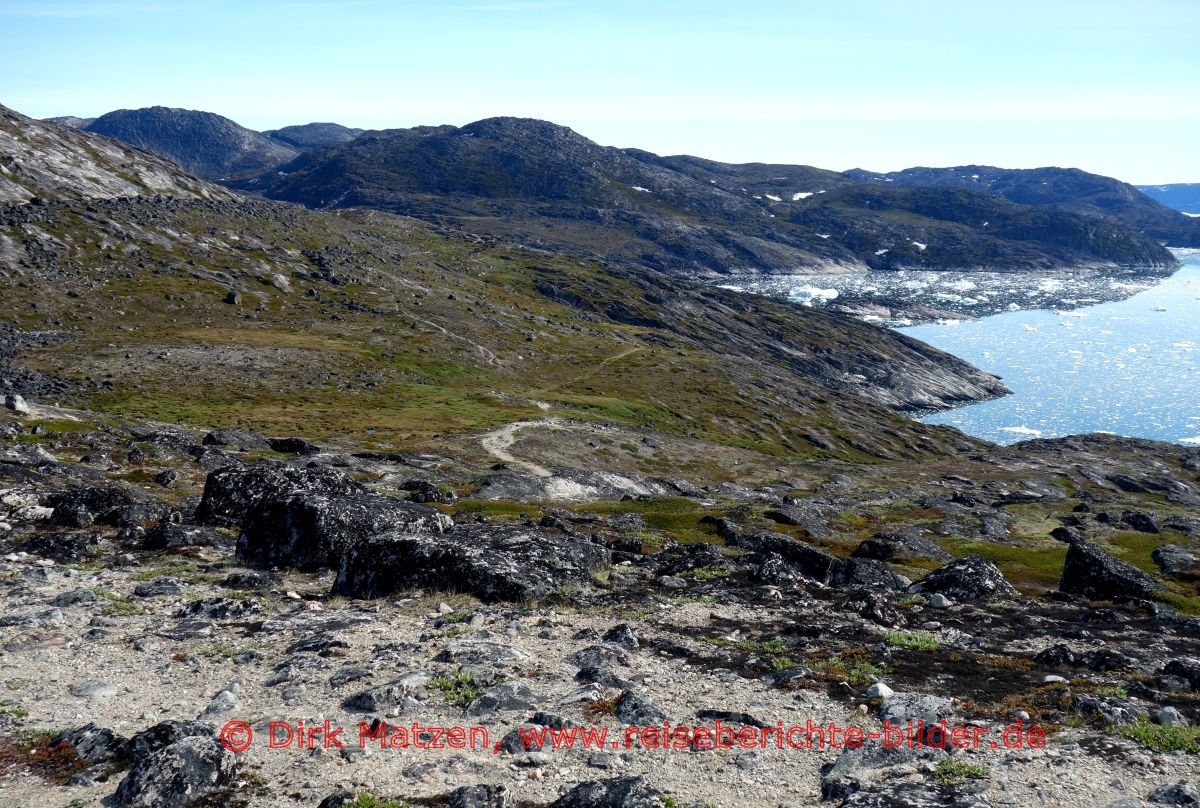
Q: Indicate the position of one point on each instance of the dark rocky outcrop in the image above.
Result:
(229, 493)
(969, 578)
(308, 531)
(621, 792)
(493, 562)
(179, 774)
(1094, 573)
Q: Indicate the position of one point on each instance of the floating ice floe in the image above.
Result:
(823, 235)
(881, 252)
(1022, 430)
(1078, 315)
(808, 295)
(796, 197)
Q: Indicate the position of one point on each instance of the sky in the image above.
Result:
(1109, 87)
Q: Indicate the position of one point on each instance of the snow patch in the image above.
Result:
(796, 197)
(640, 188)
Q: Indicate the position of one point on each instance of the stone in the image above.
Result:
(634, 709)
(1174, 560)
(1092, 572)
(859, 769)
(508, 696)
(900, 546)
(940, 601)
(878, 691)
(308, 532)
(239, 439)
(178, 774)
(1179, 793)
(492, 562)
(164, 585)
(622, 636)
(480, 796)
(621, 792)
(16, 403)
(813, 563)
(168, 535)
(972, 577)
(230, 492)
(162, 735)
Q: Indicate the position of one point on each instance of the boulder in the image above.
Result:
(162, 735)
(178, 774)
(969, 578)
(620, 792)
(866, 767)
(1175, 560)
(16, 404)
(172, 535)
(1140, 521)
(1094, 573)
(869, 573)
(816, 564)
(493, 562)
(308, 531)
(230, 492)
(898, 547)
(239, 439)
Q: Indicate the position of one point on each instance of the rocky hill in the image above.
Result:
(314, 135)
(1067, 189)
(47, 161)
(1183, 197)
(261, 463)
(541, 182)
(201, 142)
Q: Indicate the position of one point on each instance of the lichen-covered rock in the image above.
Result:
(620, 792)
(178, 774)
(230, 492)
(239, 439)
(816, 564)
(308, 531)
(493, 562)
(1093, 573)
(972, 577)
(899, 546)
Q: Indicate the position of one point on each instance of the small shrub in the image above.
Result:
(953, 772)
(459, 689)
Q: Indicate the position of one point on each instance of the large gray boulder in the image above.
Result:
(308, 531)
(493, 562)
(230, 492)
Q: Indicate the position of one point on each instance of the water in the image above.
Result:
(1130, 367)
(974, 294)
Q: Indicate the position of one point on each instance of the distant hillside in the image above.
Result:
(1183, 197)
(314, 135)
(203, 143)
(71, 121)
(43, 160)
(549, 185)
(1056, 188)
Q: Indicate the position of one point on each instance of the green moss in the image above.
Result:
(1033, 568)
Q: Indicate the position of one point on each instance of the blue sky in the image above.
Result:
(1110, 87)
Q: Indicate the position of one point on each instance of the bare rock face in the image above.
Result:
(493, 562)
(46, 160)
(1093, 573)
(309, 531)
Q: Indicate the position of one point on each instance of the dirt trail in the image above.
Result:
(497, 441)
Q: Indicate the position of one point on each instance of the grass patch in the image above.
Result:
(460, 689)
(954, 772)
(118, 605)
(1031, 569)
(912, 640)
(1161, 738)
(371, 801)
